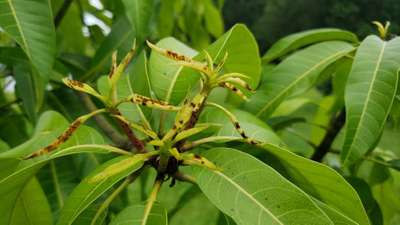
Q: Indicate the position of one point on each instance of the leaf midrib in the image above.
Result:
(366, 102)
(22, 35)
(298, 79)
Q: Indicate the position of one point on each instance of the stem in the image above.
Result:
(61, 12)
(151, 200)
(184, 177)
(102, 122)
(5, 105)
(136, 142)
(335, 125)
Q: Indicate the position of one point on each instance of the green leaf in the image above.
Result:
(97, 183)
(139, 13)
(302, 39)
(295, 74)
(31, 26)
(30, 88)
(31, 207)
(251, 192)
(165, 77)
(133, 215)
(213, 19)
(369, 95)
(321, 182)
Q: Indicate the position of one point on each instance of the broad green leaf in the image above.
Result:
(213, 19)
(321, 182)
(96, 184)
(31, 207)
(139, 13)
(31, 26)
(133, 215)
(30, 88)
(165, 77)
(295, 74)
(370, 92)
(251, 192)
(301, 39)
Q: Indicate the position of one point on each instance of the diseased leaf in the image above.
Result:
(165, 77)
(31, 26)
(253, 127)
(295, 74)
(370, 91)
(302, 39)
(251, 192)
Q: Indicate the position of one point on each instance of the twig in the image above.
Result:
(61, 12)
(7, 104)
(184, 177)
(335, 125)
(102, 122)
(136, 142)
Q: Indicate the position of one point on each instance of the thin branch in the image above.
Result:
(184, 177)
(102, 122)
(335, 125)
(61, 12)
(136, 142)
(8, 104)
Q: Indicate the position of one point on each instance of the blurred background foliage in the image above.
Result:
(270, 20)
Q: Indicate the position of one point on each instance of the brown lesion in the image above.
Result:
(74, 83)
(177, 56)
(59, 140)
